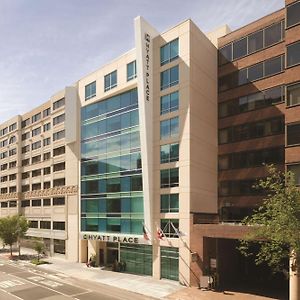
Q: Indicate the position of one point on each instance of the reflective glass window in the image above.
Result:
(273, 34)
(169, 52)
(255, 41)
(293, 14)
(293, 54)
(90, 90)
(293, 94)
(240, 48)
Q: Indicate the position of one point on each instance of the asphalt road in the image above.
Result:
(25, 282)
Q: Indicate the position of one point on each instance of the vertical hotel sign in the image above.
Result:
(144, 35)
(147, 66)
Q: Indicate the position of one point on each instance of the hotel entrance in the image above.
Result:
(112, 252)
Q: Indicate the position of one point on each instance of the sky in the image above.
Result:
(49, 44)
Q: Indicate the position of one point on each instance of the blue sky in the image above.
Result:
(49, 44)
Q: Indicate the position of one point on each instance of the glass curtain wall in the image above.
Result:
(111, 172)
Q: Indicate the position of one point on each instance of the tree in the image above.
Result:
(39, 248)
(12, 229)
(276, 225)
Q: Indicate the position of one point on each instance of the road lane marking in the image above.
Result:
(10, 283)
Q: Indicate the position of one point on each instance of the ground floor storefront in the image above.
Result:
(140, 259)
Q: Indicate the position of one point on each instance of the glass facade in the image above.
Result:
(111, 173)
(137, 258)
(169, 260)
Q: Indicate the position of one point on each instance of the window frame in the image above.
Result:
(111, 85)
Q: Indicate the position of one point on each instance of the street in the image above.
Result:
(26, 282)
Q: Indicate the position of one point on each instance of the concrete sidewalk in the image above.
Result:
(144, 285)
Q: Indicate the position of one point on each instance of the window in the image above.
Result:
(3, 167)
(169, 227)
(12, 139)
(169, 52)
(47, 156)
(46, 202)
(25, 162)
(293, 94)
(25, 149)
(58, 135)
(36, 186)
(90, 90)
(225, 54)
(251, 130)
(58, 182)
(36, 145)
(36, 173)
(4, 204)
(45, 225)
(59, 246)
(36, 159)
(258, 71)
(169, 77)
(12, 127)
(3, 191)
(25, 136)
(293, 54)
(25, 123)
(59, 119)
(4, 131)
(33, 224)
(12, 152)
(169, 178)
(46, 112)
(59, 103)
(47, 171)
(273, 34)
(36, 131)
(110, 81)
(169, 128)
(255, 72)
(240, 48)
(169, 203)
(131, 70)
(169, 153)
(47, 141)
(295, 168)
(13, 203)
(59, 151)
(273, 66)
(169, 103)
(58, 167)
(253, 101)
(238, 188)
(3, 143)
(36, 202)
(12, 189)
(25, 203)
(58, 225)
(12, 177)
(251, 159)
(12, 164)
(3, 178)
(47, 185)
(255, 41)
(59, 201)
(3, 154)
(36, 117)
(293, 134)
(252, 43)
(47, 127)
(25, 175)
(293, 14)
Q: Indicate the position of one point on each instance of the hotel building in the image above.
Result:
(169, 136)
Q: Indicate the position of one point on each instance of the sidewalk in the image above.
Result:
(144, 285)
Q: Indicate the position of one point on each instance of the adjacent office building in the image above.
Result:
(150, 160)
